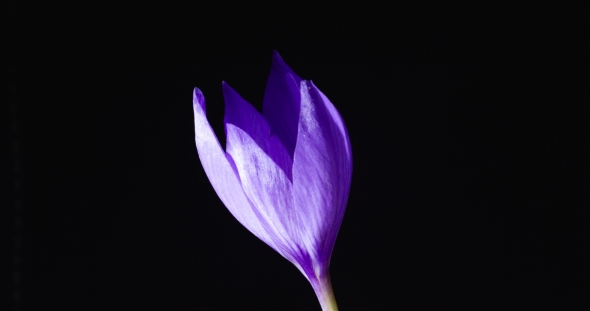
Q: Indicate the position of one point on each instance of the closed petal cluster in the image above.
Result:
(285, 174)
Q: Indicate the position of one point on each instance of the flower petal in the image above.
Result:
(267, 187)
(243, 115)
(322, 170)
(218, 167)
(281, 102)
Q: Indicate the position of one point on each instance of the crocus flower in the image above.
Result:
(285, 174)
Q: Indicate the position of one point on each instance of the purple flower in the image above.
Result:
(285, 174)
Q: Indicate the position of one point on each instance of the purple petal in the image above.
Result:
(267, 187)
(241, 114)
(322, 170)
(222, 176)
(281, 102)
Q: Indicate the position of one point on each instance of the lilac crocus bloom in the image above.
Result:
(285, 174)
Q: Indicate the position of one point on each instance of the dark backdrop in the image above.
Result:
(471, 173)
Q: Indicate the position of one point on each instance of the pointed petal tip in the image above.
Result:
(276, 55)
(278, 60)
(197, 92)
(230, 95)
(279, 65)
(226, 87)
(237, 110)
(198, 98)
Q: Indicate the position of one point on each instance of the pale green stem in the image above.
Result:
(323, 289)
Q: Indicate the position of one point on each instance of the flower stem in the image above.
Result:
(323, 289)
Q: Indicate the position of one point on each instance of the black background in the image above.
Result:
(471, 170)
